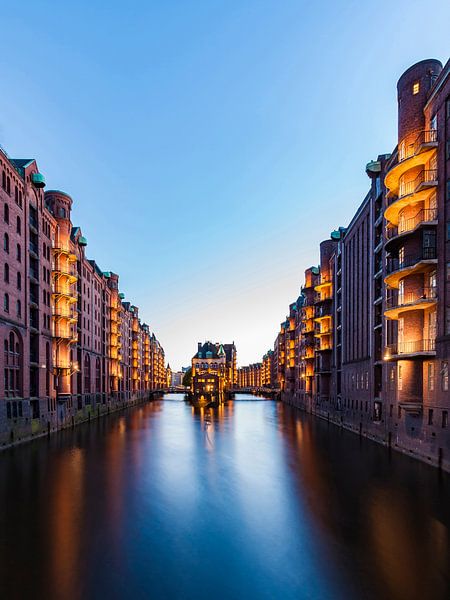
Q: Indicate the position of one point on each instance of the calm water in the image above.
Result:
(252, 500)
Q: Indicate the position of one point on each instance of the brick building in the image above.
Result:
(372, 326)
(71, 347)
(214, 371)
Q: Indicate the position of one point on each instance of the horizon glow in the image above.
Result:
(209, 146)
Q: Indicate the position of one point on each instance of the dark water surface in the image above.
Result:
(252, 500)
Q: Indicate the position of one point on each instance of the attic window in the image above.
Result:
(416, 88)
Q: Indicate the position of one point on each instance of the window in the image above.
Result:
(430, 377)
(6, 273)
(19, 281)
(430, 416)
(416, 88)
(87, 374)
(6, 243)
(399, 378)
(6, 213)
(13, 366)
(19, 308)
(448, 230)
(18, 225)
(444, 376)
(433, 122)
(448, 108)
(448, 271)
(6, 302)
(98, 376)
(444, 419)
(19, 253)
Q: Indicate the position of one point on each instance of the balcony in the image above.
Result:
(413, 191)
(397, 268)
(325, 282)
(411, 349)
(59, 272)
(417, 152)
(322, 312)
(425, 216)
(60, 250)
(62, 312)
(418, 299)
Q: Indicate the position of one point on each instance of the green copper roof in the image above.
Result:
(121, 295)
(82, 241)
(38, 180)
(107, 274)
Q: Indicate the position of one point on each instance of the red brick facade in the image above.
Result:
(373, 319)
(71, 348)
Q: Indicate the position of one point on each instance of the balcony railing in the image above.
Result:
(423, 216)
(427, 293)
(424, 137)
(424, 345)
(410, 187)
(396, 264)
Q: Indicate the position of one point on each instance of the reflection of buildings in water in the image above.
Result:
(213, 419)
(402, 545)
(383, 527)
(66, 516)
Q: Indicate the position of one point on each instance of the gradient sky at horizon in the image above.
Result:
(209, 146)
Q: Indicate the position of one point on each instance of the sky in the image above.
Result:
(209, 146)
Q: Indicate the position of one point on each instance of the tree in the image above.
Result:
(187, 378)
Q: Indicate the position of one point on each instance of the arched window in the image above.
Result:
(19, 281)
(6, 243)
(19, 253)
(6, 302)
(4, 180)
(6, 213)
(6, 273)
(98, 376)
(8, 185)
(18, 225)
(87, 374)
(13, 366)
(19, 308)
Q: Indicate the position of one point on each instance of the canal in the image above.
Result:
(253, 500)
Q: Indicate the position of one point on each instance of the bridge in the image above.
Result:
(256, 391)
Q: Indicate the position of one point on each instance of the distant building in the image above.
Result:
(177, 379)
(213, 371)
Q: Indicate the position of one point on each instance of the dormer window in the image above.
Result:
(416, 88)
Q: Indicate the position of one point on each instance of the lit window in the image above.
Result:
(431, 377)
(444, 375)
(416, 87)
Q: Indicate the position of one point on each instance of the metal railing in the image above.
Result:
(423, 216)
(424, 345)
(411, 186)
(424, 137)
(396, 264)
(411, 297)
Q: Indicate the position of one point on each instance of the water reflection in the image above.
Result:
(248, 500)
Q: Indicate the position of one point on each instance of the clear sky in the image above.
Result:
(209, 145)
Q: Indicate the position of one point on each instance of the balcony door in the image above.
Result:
(429, 244)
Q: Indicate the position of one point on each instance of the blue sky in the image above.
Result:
(209, 146)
